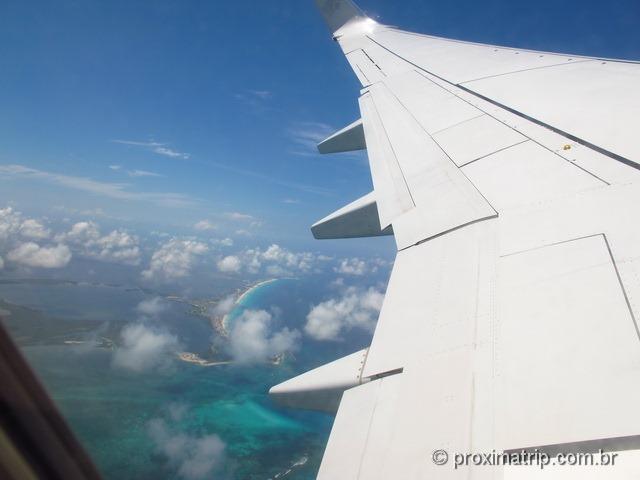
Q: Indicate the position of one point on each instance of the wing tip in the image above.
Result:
(338, 13)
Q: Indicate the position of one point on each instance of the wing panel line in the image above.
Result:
(568, 135)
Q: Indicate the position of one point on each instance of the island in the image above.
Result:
(195, 358)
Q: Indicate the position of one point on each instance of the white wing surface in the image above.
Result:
(510, 181)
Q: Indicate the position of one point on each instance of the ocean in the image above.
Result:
(112, 410)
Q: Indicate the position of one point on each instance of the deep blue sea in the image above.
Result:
(110, 409)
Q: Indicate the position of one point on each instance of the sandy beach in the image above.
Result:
(194, 358)
(224, 322)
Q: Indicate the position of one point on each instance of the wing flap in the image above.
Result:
(391, 190)
(358, 219)
(408, 166)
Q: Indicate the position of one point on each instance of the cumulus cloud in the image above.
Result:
(222, 242)
(251, 339)
(152, 307)
(356, 308)
(193, 457)
(352, 266)
(14, 229)
(204, 225)
(225, 305)
(33, 255)
(174, 259)
(144, 348)
(12, 223)
(274, 260)
(359, 267)
(229, 264)
(117, 246)
(32, 228)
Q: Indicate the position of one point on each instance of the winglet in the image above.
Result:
(338, 13)
(358, 219)
(349, 139)
(321, 389)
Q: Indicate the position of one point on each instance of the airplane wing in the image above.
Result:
(510, 181)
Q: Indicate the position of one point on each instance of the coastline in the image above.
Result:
(255, 287)
(224, 322)
(194, 358)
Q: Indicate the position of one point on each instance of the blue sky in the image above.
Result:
(182, 111)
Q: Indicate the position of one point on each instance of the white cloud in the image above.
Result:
(194, 457)
(10, 222)
(143, 173)
(86, 212)
(33, 255)
(156, 147)
(263, 94)
(144, 348)
(307, 135)
(81, 232)
(1, 263)
(222, 242)
(230, 264)
(301, 261)
(274, 260)
(251, 340)
(34, 229)
(135, 173)
(204, 225)
(174, 259)
(357, 308)
(272, 179)
(248, 220)
(118, 191)
(257, 99)
(169, 152)
(138, 144)
(359, 267)
(225, 305)
(120, 247)
(152, 307)
(13, 227)
(352, 266)
(239, 216)
(117, 246)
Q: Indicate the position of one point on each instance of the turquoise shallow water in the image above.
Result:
(110, 409)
